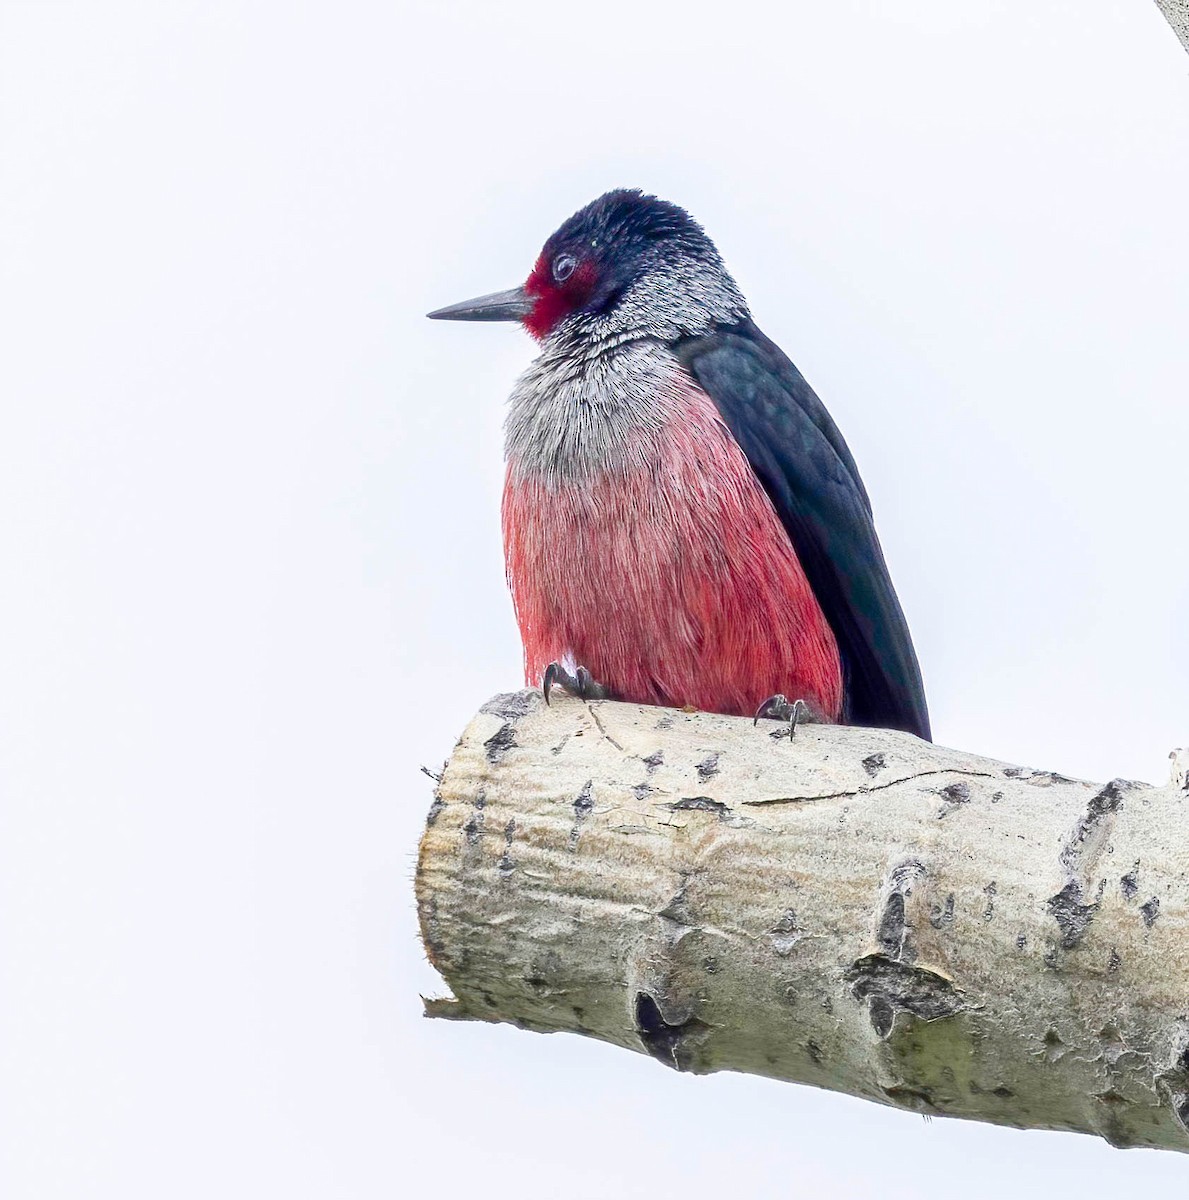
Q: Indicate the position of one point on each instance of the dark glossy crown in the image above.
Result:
(627, 223)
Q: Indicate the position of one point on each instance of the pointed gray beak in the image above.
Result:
(511, 305)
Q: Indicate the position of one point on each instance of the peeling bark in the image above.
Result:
(854, 909)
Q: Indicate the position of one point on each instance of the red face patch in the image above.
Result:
(553, 300)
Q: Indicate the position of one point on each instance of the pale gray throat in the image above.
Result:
(599, 394)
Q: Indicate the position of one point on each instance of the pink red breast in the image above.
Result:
(668, 575)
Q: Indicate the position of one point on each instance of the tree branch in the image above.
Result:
(854, 909)
(1176, 13)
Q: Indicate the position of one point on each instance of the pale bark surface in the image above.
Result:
(854, 909)
(1176, 12)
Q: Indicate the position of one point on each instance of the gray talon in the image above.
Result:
(779, 708)
(581, 684)
(551, 677)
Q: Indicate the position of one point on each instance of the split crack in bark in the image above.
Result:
(602, 729)
(865, 789)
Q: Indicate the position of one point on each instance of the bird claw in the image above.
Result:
(580, 684)
(780, 708)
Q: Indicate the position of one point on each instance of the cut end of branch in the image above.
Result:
(1179, 768)
(446, 1007)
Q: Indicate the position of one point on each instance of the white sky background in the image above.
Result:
(252, 577)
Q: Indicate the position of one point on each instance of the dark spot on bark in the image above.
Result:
(1004, 1093)
(500, 742)
(700, 804)
(511, 706)
(654, 760)
(1150, 911)
(1094, 824)
(505, 865)
(815, 1052)
(787, 923)
(891, 926)
(873, 764)
(664, 1041)
(918, 1098)
(1129, 883)
(893, 932)
(473, 829)
(1180, 1108)
(883, 1016)
(435, 810)
(579, 1013)
(955, 793)
(1109, 799)
(940, 915)
(708, 768)
(1072, 914)
(891, 987)
(583, 803)
(786, 933)
(1114, 962)
(1036, 778)
(905, 874)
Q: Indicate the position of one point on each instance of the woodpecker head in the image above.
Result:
(626, 265)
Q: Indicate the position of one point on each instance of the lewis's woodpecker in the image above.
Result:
(683, 523)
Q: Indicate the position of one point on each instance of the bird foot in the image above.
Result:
(795, 712)
(580, 684)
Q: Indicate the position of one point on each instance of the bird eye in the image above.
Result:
(563, 267)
